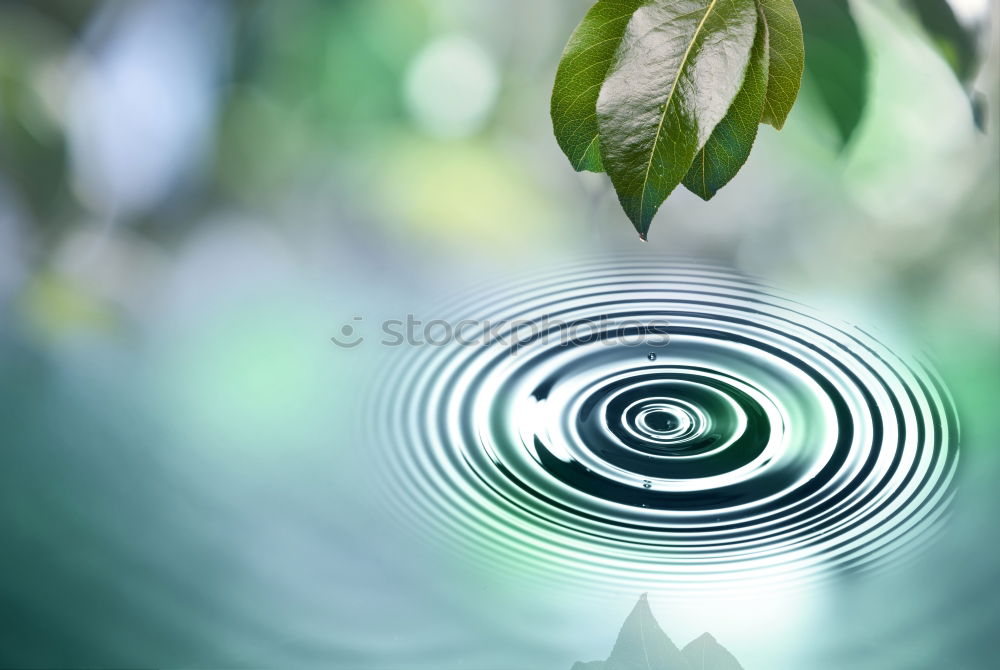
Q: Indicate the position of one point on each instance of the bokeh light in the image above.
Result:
(451, 87)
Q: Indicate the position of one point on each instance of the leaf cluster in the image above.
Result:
(658, 93)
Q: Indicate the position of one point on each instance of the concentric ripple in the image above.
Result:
(665, 426)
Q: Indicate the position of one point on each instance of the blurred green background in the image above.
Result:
(194, 196)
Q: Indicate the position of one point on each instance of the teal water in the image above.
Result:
(146, 490)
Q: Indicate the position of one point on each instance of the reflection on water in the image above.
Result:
(670, 426)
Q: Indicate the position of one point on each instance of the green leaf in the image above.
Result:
(728, 147)
(836, 62)
(704, 653)
(676, 72)
(584, 64)
(787, 59)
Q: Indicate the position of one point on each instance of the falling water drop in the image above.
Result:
(651, 356)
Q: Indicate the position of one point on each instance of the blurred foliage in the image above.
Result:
(836, 60)
(960, 44)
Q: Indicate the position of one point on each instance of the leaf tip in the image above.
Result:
(776, 122)
(979, 110)
(699, 187)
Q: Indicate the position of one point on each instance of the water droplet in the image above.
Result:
(651, 356)
(647, 484)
